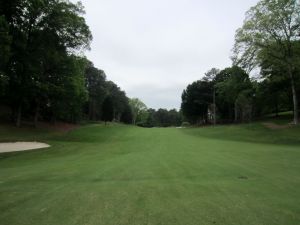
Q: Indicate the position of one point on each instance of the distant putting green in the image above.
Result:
(125, 175)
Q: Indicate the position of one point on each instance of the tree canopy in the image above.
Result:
(43, 72)
(137, 108)
(272, 29)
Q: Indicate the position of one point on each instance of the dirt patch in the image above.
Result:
(21, 146)
(274, 126)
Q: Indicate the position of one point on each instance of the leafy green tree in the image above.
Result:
(108, 109)
(211, 74)
(138, 108)
(5, 41)
(196, 99)
(162, 118)
(142, 118)
(174, 117)
(119, 99)
(151, 119)
(65, 94)
(126, 116)
(95, 80)
(272, 26)
(272, 95)
(159, 118)
(233, 86)
(98, 89)
(41, 30)
(276, 83)
(167, 118)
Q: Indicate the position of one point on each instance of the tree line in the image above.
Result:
(269, 41)
(43, 72)
(148, 117)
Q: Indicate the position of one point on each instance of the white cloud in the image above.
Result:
(153, 49)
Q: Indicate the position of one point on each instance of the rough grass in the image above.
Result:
(124, 175)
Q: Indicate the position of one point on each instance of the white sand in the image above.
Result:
(21, 146)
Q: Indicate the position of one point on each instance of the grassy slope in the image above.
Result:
(127, 175)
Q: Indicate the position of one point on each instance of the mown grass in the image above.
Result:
(117, 174)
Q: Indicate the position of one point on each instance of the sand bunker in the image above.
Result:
(21, 146)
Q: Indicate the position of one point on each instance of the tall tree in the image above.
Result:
(233, 90)
(41, 31)
(108, 109)
(97, 91)
(67, 95)
(271, 26)
(5, 41)
(196, 99)
(119, 99)
(126, 116)
(137, 107)
(272, 95)
(210, 76)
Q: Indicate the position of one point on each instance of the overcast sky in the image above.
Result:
(153, 49)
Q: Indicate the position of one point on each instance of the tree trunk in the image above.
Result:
(295, 99)
(19, 116)
(134, 119)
